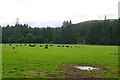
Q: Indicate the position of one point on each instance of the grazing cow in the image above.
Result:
(10, 44)
(62, 45)
(29, 44)
(46, 46)
(59, 46)
(40, 45)
(14, 51)
(67, 46)
(13, 47)
(32, 45)
(75, 46)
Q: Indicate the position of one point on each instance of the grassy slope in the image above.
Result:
(20, 62)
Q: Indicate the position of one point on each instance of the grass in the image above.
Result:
(38, 62)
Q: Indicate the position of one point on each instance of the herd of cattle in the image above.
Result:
(45, 45)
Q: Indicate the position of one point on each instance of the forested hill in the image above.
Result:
(102, 32)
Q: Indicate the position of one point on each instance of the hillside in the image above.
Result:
(103, 32)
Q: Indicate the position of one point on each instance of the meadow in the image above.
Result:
(58, 61)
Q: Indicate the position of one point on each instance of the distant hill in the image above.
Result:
(99, 32)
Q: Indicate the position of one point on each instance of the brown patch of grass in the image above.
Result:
(72, 72)
(69, 71)
(47, 74)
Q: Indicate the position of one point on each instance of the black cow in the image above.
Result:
(46, 46)
(13, 47)
(67, 46)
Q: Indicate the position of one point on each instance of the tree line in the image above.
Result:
(98, 32)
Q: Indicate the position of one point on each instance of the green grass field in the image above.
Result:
(58, 62)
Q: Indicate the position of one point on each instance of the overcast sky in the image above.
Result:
(54, 12)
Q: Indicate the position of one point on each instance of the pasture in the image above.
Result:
(58, 61)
